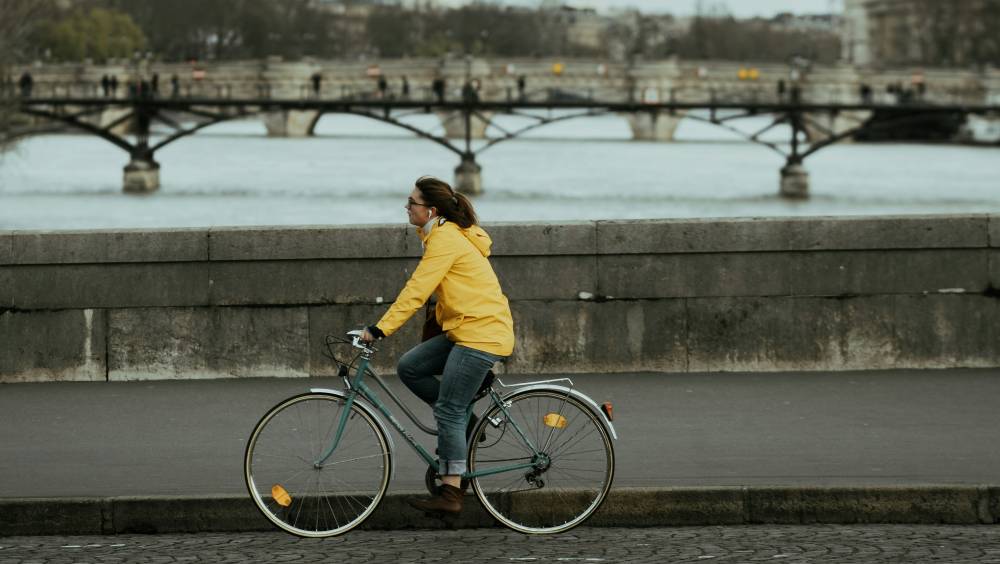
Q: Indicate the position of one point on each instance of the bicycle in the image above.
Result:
(541, 458)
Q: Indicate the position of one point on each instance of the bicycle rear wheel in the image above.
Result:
(570, 474)
(293, 490)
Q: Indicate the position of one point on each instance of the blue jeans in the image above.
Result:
(462, 371)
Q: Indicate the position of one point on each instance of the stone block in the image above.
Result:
(309, 281)
(774, 506)
(53, 346)
(887, 272)
(110, 285)
(675, 507)
(339, 319)
(394, 513)
(995, 231)
(195, 514)
(952, 505)
(6, 287)
(572, 238)
(947, 331)
(912, 505)
(992, 515)
(133, 245)
(994, 272)
(298, 243)
(557, 277)
(695, 275)
(867, 334)
(792, 273)
(783, 234)
(763, 334)
(22, 517)
(188, 343)
(615, 336)
(6, 247)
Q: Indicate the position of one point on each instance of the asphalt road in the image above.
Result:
(815, 429)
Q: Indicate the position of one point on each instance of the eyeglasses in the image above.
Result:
(410, 203)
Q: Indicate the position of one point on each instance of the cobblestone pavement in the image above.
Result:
(785, 544)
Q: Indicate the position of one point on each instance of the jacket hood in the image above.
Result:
(475, 234)
(479, 238)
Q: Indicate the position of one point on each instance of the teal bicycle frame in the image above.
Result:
(358, 387)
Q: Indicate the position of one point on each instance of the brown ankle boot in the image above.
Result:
(448, 500)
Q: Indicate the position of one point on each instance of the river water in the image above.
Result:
(360, 171)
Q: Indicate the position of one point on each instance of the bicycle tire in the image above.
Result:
(556, 494)
(310, 500)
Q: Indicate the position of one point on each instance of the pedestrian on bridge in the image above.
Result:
(26, 83)
(438, 86)
(317, 83)
(405, 88)
(175, 86)
(105, 85)
(113, 83)
(383, 87)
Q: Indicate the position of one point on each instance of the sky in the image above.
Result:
(739, 8)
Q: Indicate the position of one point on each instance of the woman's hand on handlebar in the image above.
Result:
(372, 333)
(367, 337)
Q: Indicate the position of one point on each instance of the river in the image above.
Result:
(357, 171)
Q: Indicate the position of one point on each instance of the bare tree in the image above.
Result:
(18, 19)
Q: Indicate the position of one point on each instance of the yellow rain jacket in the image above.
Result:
(471, 308)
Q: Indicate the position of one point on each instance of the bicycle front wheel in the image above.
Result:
(294, 489)
(571, 456)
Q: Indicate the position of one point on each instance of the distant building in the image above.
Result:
(900, 32)
(855, 33)
(586, 27)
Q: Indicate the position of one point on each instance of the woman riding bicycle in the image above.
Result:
(471, 310)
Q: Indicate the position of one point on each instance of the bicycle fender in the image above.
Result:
(364, 406)
(575, 394)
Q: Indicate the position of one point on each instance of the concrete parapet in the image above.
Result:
(545, 239)
(6, 247)
(796, 234)
(157, 343)
(127, 245)
(65, 345)
(673, 296)
(312, 242)
(308, 282)
(53, 286)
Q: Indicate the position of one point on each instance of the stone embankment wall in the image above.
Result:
(609, 296)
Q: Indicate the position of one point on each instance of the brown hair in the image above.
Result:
(455, 207)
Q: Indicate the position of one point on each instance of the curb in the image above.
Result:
(624, 507)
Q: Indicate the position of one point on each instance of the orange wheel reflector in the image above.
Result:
(281, 496)
(555, 421)
(608, 410)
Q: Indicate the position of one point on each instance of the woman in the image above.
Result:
(473, 313)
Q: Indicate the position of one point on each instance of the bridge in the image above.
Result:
(819, 106)
(812, 126)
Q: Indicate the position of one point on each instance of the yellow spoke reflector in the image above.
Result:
(281, 496)
(555, 421)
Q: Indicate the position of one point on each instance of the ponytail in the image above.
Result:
(456, 208)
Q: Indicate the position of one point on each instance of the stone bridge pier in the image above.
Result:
(653, 126)
(454, 124)
(822, 126)
(291, 123)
